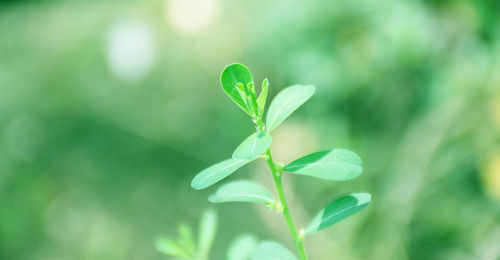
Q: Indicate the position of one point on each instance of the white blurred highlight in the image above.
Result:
(191, 16)
(131, 50)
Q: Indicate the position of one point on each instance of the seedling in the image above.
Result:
(185, 246)
(331, 165)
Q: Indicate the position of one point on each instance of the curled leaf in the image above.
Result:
(261, 100)
(231, 75)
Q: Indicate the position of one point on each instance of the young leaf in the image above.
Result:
(242, 247)
(253, 146)
(272, 251)
(242, 191)
(335, 164)
(261, 100)
(338, 210)
(253, 93)
(217, 172)
(172, 248)
(231, 75)
(286, 102)
(207, 231)
(186, 238)
(241, 91)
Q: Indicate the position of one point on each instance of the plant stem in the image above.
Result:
(297, 239)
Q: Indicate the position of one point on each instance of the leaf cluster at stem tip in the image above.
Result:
(332, 164)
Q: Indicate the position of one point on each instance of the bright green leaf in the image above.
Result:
(187, 238)
(261, 100)
(286, 102)
(335, 164)
(217, 172)
(207, 231)
(231, 75)
(172, 248)
(242, 191)
(338, 210)
(253, 93)
(272, 251)
(253, 146)
(242, 247)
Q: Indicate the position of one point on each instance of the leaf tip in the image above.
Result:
(195, 185)
(214, 198)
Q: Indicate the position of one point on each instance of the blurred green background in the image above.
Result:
(109, 108)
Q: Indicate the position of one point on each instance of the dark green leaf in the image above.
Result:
(231, 75)
(338, 210)
(242, 191)
(286, 102)
(253, 146)
(335, 164)
(272, 251)
(217, 172)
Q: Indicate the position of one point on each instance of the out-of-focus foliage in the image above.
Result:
(109, 108)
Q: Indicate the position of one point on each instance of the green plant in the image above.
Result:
(332, 165)
(185, 246)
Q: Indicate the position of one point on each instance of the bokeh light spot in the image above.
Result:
(131, 50)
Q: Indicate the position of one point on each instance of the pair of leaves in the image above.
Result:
(283, 105)
(245, 191)
(185, 246)
(232, 75)
(235, 79)
(247, 151)
(339, 209)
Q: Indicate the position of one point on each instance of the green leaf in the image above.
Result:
(272, 251)
(172, 248)
(242, 191)
(286, 102)
(242, 247)
(253, 146)
(207, 231)
(186, 238)
(231, 75)
(217, 172)
(335, 164)
(338, 210)
(261, 100)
